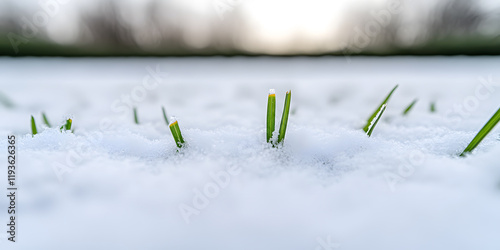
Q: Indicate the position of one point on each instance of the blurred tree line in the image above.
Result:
(113, 28)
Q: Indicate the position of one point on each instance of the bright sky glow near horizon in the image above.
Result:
(276, 23)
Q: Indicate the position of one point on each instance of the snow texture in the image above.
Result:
(113, 184)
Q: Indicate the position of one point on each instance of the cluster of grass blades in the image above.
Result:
(271, 117)
(173, 125)
(482, 133)
(487, 128)
(377, 114)
(174, 129)
(65, 127)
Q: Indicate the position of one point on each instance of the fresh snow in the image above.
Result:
(172, 120)
(116, 185)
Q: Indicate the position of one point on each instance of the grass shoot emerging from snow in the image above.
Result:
(33, 127)
(174, 128)
(482, 133)
(271, 117)
(271, 114)
(45, 120)
(376, 119)
(372, 117)
(408, 109)
(284, 117)
(67, 125)
(176, 133)
(136, 119)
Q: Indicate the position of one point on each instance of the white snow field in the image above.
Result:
(117, 185)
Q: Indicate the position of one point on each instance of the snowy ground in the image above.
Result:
(116, 185)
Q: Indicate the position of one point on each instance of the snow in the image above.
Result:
(127, 186)
(172, 120)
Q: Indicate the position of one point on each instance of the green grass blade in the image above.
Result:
(45, 120)
(165, 115)
(271, 114)
(176, 133)
(136, 119)
(370, 120)
(433, 107)
(482, 133)
(376, 119)
(284, 117)
(67, 125)
(407, 110)
(33, 127)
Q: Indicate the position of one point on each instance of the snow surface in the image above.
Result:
(328, 187)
